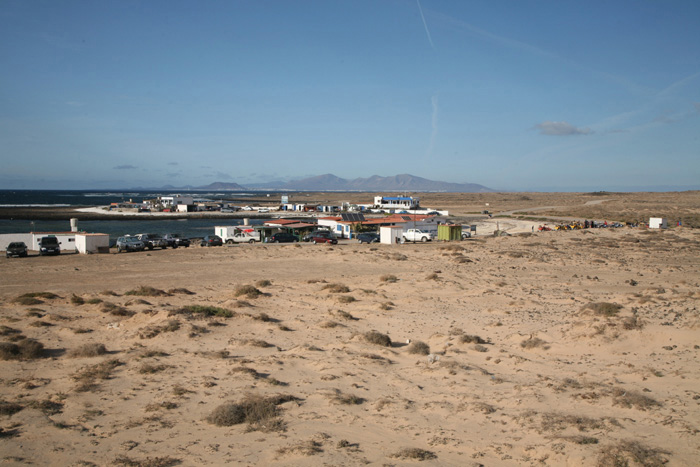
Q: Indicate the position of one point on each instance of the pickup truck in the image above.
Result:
(152, 241)
(417, 235)
(175, 240)
(244, 237)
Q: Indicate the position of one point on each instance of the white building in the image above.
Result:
(89, 243)
(396, 202)
(658, 223)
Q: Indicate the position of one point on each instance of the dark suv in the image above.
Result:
(49, 246)
(16, 249)
(282, 237)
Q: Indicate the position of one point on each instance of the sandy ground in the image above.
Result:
(558, 348)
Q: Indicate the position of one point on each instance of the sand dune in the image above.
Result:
(558, 348)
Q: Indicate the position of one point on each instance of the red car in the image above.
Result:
(324, 237)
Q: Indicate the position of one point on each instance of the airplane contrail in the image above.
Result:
(425, 25)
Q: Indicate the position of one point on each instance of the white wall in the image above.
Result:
(389, 235)
(657, 223)
(90, 243)
(6, 239)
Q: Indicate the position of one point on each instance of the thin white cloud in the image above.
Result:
(561, 129)
(425, 25)
(434, 124)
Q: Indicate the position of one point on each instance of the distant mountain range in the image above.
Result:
(330, 182)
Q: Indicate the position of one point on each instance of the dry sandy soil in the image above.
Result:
(558, 348)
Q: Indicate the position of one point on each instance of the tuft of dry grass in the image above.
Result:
(263, 283)
(147, 291)
(202, 311)
(432, 277)
(414, 454)
(418, 348)
(165, 461)
(620, 455)
(23, 349)
(306, 448)
(258, 343)
(149, 369)
(633, 399)
(336, 288)
(152, 331)
(343, 315)
(346, 299)
(602, 308)
(375, 337)
(87, 377)
(247, 291)
(88, 350)
(180, 291)
(389, 278)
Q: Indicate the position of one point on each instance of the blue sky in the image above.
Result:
(514, 95)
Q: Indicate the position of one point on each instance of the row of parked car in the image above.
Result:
(145, 241)
(47, 246)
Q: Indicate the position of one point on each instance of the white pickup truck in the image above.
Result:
(417, 235)
(235, 234)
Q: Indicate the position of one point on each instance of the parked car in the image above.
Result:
(282, 237)
(211, 240)
(175, 240)
(368, 237)
(313, 233)
(129, 244)
(324, 237)
(49, 246)
(152, 241)
(417, 235)
(16, 249)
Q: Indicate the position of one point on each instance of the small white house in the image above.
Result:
(657, 223)
(89, 243)
(390, 234)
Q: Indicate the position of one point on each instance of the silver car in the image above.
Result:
(129, 244)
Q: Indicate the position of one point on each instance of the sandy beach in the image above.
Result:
(558, 348)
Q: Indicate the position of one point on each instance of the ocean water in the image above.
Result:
(120, 226)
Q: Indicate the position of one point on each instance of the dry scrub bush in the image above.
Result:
(343, 315)
(88, 350)
(432, 277)
(633, 399)
(386, 306)
(336, 288)
(415, 454)
(254, 409)
(150, 332)
(480, 348)
(471, 339)
(202, 311)
(181, 291)
(148, 369)
(377, 338)
(8, 331)
(147, 291)
(533, 343)
(346, 299)
(388, 278)
(306, 448)
(33, 298)
(24, 349)
(47, 406)
(248, 291)
(602, 308)
(9, 408)
(418, 348)
(620, 455)
(329, 324)
(116, 310)
(77, 300)
(339, 397)
(263, 283)
(258, 343)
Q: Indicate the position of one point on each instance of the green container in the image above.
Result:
(448, 232)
